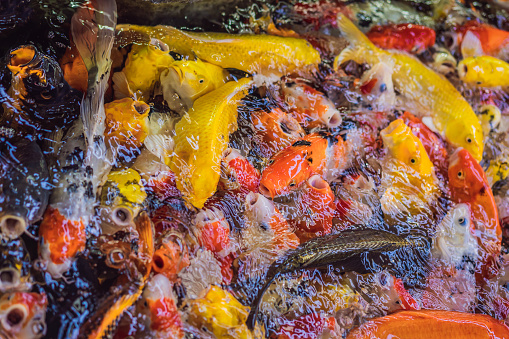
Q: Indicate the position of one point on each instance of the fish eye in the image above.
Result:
(469, 140)
(271, 161)
(292, 183)
(465, 68)
(201, 81)
(461, 175)
(413, 160)
(383, 87)
(462, 221)
(46, 95)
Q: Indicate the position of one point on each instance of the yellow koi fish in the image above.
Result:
(249, 53)
(450, 114)
(143, 66)
(484, 71)
(202, 136)
(187, 80)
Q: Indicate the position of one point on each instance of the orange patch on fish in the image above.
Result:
(404, 37)
(490, 37)
(75, 71)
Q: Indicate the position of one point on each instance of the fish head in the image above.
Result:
(14, 266)
(171, 257)
(237, 171)
(466, 176)
(213, 231)
(455, 236)
(292, 166)
(126, 123)
(467, 135)
(23, 315)
(405, 147)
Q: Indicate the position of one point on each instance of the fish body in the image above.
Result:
(144, 65)
(274, 131)
(433, 144)
(126, 125)
(404, 37)
(23, 315)
(129, 285)
(40, 98)
(469, 185)
(431, 324)
(475, 39)
(73, 67)
(316, 153)
(187, 80)
(448, 112)
(249, 53)
(201, 138)
(24, 194)
(484, 71)
(310, 107)
(343, 249)
(122, 197)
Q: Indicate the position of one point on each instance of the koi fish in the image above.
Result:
(469, 185)
(14, 266)
(274, 131)
(237, 172)
(143, 66)
(443, 61)
(316, 153)
(431, 324)
(404, 37)
(316, 208)
(484, 71)
(311, 108)
(248, 53)
(219, 312)
(449, 113)
(121, 199)
(187, 80)
(341, 249)
(434, 145)
(170, 258)
(39, 97)
(23, 315)
(268, 223)
(490, 117)
(376, 84)
(212, 230)
(129, 285)
(201, 138)
(24, 194)
(126, 125)
(165, 320)
(475, 39)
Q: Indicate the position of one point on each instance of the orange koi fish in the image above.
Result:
(165, 321)
(237, 171)
(311, 108)
(469, 185)
(317, 153)
(428, 324)
(262, 214)
(404, 37)
(316, 201)
(23, 315)
(476, 39)
(170, 258)
(213, 231)
(274, 130)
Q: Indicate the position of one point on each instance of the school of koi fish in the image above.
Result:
(306, 169)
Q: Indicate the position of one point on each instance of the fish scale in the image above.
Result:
(202, 136)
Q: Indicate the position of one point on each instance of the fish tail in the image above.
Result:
(360, 44)
(253, 313)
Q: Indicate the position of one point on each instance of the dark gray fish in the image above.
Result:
(361, 250)
(41, 98)
(24, 187)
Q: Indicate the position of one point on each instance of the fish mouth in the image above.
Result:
(9, 278)
(22, 56)
(390, 133)
(141, 107)
(15, 316)
(12, 226)
(159, 45)
(317, 182)
(266, 191)
(122, 216)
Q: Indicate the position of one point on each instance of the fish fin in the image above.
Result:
(121, 87)
(350, 53)
(145, 230)
(428, 121)
(160, 145)
(352, 33)
(471, 46)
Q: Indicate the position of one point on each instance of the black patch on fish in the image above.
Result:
(483, 190)
(310, 160)
(89, 171)
(70, 168)
(301, 143)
